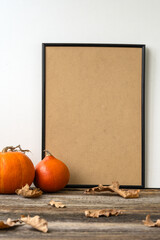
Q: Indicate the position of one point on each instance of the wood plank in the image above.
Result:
(71, 223)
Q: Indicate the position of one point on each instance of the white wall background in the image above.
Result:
(26, 24)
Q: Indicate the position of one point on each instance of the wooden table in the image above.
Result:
(71, 223)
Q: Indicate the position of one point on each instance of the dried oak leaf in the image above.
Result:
(36, 222)
(102, 212)
(10, 223)
(56, 204)
(114, 187)
(28, 192)
(148, 222)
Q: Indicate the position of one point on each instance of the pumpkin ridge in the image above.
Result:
(2, 174)
(54, 180)
(21, 171)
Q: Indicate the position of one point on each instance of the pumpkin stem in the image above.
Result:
(47, 153)
(13, 149)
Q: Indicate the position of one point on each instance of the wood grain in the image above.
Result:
(71, 223)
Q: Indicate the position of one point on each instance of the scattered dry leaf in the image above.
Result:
(102, 212)
(28, 192)
(114, 188)
(148, 222)
(36, 222)
(3, 225)
(10, 223)
(57, 204)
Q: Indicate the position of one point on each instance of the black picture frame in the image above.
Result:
(142, 46)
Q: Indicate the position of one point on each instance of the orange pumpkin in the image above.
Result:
(16, 169)
(51, 174)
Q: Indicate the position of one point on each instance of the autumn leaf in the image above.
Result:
(3, 225)
(57, 204)
(27, 192)
(36, 222)
(10, 223)
(148, 222)
(114, 187)
(102, 212)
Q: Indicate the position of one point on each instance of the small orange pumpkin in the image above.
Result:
(16, 169)
(51, 174)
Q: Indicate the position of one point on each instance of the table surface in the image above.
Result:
(71, 223)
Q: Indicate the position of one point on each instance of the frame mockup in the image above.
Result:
(93, 111)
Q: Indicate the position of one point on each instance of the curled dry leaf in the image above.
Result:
(148, 222)
(3, 225)
(36, 222)
(114, 188)
(13, 223)
(57, 204)
(27, 192)
(102, 212)
(10, 223)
